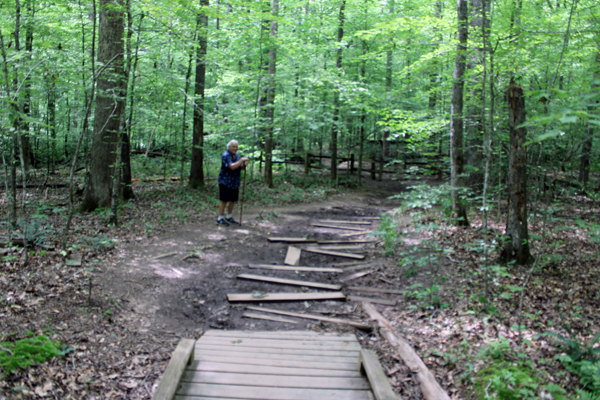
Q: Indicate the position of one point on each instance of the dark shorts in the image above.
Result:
(228, 194)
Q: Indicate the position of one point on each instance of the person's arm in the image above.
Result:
(241, 162)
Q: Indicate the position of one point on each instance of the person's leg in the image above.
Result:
(223, 198)
(230, 208)
(233, 199)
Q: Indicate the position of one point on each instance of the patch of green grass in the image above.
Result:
(29, 351)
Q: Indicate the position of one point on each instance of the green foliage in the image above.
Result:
(509, 376)
(582, 358)
(576, 350)
(29, 351)
(388, 232)
(427, 297)
(424, 197)
(34, 230)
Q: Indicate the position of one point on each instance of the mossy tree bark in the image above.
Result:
(517, 238)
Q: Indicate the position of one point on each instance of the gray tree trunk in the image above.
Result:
(517, 242)
(270, 101)
(584, 166)
(474, 122)
(459, 208)
(108, 106)
(336, 96)
(197, 169)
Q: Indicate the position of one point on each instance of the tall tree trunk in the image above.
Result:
(389, 70)
(197, 169)
(336, 95)
(459, 208)
(188, 76)
(517, 242)
(584, 166)
(128, 76)
(108, 106)
(25, 142)
(52, 121)
(270, 103)
(474, 136)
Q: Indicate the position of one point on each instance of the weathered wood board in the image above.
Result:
(355, 276)
(378, 379)
(358, 325)
(336, 254)
(375, 290)
(286, 296)
(275, 318)
(386, 302)
(170, 379)
(294, 268)
(346, 228)
(334, 221)
(289, 281)
(290, 240)
(293, 256)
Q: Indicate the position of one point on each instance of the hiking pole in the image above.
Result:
(243, 190)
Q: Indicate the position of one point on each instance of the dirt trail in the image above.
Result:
(184, 297)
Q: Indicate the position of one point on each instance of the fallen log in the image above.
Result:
(430, 388)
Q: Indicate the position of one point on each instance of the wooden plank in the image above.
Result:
(170, 379)
(353, 234)
(286, 296)
(359, 267)
(275, 318)
(286, 335)
(293, 256)
(268, 393)
(253, 379)
(260, 354)
(352, 263)
(268, 370)
(341, 247)
(430, 387)
(346, 228)
(386, 302)
(266, 344)
(343, 241)
(292, 282)
(316, 317)
(375, 290)
(355, 276)
(290, 240)
(382, 390)
(322, 364)
(325, 351)
(335, 221)
(164, 255)
(294, 268)
(336, 254)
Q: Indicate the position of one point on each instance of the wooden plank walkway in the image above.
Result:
(274, 365)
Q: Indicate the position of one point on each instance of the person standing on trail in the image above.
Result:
(232, 165)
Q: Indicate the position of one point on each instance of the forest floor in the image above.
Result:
(164, 272)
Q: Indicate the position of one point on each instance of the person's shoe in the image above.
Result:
(222, 222)
(232, 221)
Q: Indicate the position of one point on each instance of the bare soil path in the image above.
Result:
(183, 293)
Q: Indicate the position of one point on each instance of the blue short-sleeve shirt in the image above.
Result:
(227, 177)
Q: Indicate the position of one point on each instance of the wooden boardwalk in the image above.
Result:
(273, 365)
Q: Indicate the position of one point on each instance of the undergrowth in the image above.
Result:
(29, 351)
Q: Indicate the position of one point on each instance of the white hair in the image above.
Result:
(232, 142)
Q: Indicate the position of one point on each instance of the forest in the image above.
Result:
(475, 121)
